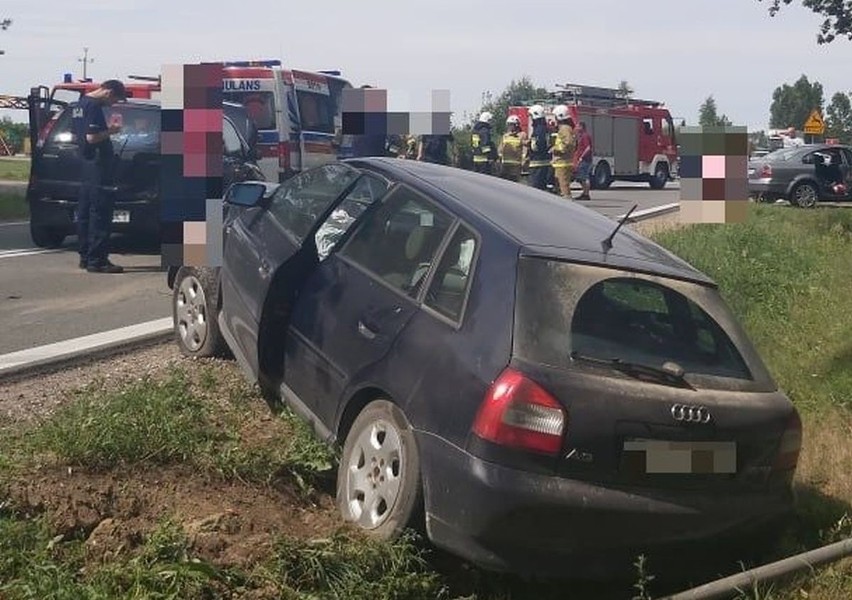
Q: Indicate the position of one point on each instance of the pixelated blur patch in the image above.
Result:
(191, 172)
(642, 456)
(713, 174)
(374, 111)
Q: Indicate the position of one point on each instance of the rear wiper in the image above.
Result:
(670, 373)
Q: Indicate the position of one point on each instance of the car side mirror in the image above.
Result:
(245, 193)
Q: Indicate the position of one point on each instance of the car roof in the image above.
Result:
(538, 222)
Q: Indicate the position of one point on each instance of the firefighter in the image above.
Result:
(482, 145)
(513, 150)
(539, 154)
(563, 150)
(410, 150)
(551, 139)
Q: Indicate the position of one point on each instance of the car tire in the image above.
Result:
(602, 177)
(804, 195)
(379, 487)
(660, 177)
(195, 314)
(46, 237)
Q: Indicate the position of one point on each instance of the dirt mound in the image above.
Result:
(227, 523)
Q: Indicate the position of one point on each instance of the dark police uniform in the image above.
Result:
(94, 206)
(539, 155)
(435, 148)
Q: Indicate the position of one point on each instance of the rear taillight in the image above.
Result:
(284, 156)
(519, 413)
(765, 171)
(790, 445)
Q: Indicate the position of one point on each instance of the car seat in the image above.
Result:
(418, 251)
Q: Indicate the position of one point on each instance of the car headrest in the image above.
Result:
(417, 241)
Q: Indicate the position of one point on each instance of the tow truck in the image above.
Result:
(632, 139)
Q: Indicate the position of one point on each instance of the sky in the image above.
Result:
(675, 51)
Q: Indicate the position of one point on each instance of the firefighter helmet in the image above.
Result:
(513, 120)
(561, 112)
(486, 117)
(536, 111)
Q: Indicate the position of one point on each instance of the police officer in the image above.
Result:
(482, 145)
(513, 149)
(539, 148)
(94, 206)
(437, 148)
(563, 150)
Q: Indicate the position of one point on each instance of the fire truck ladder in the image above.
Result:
(597, 97)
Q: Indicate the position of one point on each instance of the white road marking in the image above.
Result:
(26, 252)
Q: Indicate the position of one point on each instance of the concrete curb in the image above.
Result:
(61, 355)
(650, 213)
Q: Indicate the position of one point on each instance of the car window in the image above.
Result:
(398, 241)
(362, 196)
(451, 281)
(632, 319)
(140, 127)
(317, 111)
(231, 144)
(260, 107)
(61, 132)
(640, 321)
(301, 200)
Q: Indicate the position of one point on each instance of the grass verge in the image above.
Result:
(14, 170)
(786, 274)
(13, 207)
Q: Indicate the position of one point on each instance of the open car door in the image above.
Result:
(269, 248)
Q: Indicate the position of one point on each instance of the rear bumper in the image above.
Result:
(60, 214)
(509, 520)
(765, 187)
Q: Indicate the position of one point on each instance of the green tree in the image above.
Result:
(516, 93)
(837, 13)
(839, 118)
(792, 104)
(13, 135)
(708, 114)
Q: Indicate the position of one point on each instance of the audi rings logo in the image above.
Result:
(691, 414)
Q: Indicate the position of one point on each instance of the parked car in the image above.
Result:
(54, 182)
(802, 175)
(543, 403)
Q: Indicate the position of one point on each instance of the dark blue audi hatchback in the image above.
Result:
(542, 401)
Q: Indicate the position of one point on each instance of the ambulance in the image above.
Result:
(298, 114)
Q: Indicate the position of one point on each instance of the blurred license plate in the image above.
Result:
(121, 216)
(659, 456)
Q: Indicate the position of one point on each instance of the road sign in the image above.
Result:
(815, 125)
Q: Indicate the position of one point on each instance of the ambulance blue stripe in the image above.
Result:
(267, 137)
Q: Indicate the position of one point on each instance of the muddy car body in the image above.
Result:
(551, 406)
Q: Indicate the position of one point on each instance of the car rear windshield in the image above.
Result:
(605, 314)
(260, 107)
(140, 127)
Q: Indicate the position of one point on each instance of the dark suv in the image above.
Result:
(53, 187)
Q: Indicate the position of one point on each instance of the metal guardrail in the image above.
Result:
(734, 584)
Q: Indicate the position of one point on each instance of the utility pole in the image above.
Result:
(85, 60)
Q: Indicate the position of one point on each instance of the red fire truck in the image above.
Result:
(633, 140)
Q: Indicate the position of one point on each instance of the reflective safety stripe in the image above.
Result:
(479, 158)
(539, 163)
(561, 163)
(507, 161)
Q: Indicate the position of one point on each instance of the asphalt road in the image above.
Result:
(45, 298)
